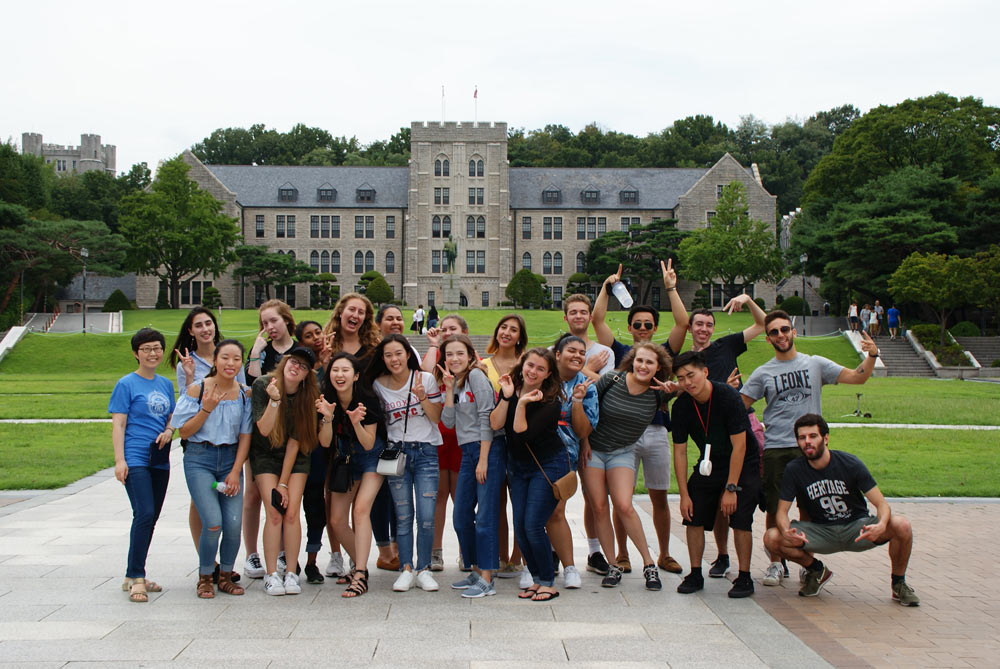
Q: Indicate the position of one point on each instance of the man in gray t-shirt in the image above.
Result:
(791, 383)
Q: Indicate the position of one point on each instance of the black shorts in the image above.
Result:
(706, 495)
(271, 460)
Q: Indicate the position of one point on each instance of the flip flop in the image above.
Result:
(528, 593)
(545, 596)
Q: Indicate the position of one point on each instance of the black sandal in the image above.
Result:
(359, 584)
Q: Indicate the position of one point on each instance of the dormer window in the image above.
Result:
(288, 193)
(366, 193)
(628, 196)
(590, 196)
(551, 195)
(326, 193)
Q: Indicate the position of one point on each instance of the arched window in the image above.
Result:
(557, 263)
(390, 262)
(526, 261)
(470, 227)
(359, 263)
(446, 226)
(446, 168)
(436, 226)
(463, 301)
(547, 263)
(437, 168)
(324, 262)
(280, 252)
(481, 227)
(479, 168)
(335, 262)
(292, 253)
(314, 260)
(369, 261)
(581, 260)
(472, 168)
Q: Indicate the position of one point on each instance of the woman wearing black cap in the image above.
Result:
(283, 404)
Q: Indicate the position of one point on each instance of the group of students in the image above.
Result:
(347, 421)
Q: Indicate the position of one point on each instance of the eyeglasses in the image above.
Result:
(784, 329)
(296, 363)
(644, 325)
(146, 350)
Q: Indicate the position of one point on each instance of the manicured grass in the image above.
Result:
(913, 463)
(41, 456)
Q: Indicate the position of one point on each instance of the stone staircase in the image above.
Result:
(985, 349)
(900, 359)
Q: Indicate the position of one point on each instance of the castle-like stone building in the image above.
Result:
(90, 155)
(459, 183)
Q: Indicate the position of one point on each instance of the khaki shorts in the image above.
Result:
(838, 538)
(653, 449)
(775, 460)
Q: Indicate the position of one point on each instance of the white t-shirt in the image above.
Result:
(397, 403)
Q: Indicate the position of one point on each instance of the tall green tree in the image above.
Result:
(733, 248)
(379, 290)
(525, 289)
(639, 250)
(176, 230)
(943, 283)
(263, 268)
(137, 178)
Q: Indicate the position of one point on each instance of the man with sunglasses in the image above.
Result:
(791, 384)
(653, 448)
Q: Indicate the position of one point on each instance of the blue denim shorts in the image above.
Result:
(364, 462)
(620, 457)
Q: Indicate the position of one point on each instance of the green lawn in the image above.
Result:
(53, 455)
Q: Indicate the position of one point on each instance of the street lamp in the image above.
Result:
(83, 256)
(802, 259)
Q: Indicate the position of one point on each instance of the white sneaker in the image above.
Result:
(773, 574)
(273, 585)
(404, 582)
(282, 564)
(425, 581)
(292, 586)
(253, 568)
(571, 578)
(526, 580)
(335, 567)
(802, 574)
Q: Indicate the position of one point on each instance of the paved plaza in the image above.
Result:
(62, 556)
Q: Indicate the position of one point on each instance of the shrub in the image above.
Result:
(760, 303)
(949, 355)
(995, 363)
(700, 300)
(211, 299)
(778, 299)
(965, 329)
(794, 306)
(378, 290)
(116, 302)
(162, 302)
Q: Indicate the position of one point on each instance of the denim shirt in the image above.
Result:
(590, 406)
(224, 425)
(201, 369)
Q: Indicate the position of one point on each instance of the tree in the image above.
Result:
(640, 251)
(379, 290)
(211, 298)
(525, 289)
(943, 283)
(365, 279)
(324, 292)
(733, 247)
(91, 196)
(176, 230)
(578, 282)
(988, 270)
(137, 178)
(263, 268)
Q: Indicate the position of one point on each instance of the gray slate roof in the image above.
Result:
(658, 188)
(257, 186)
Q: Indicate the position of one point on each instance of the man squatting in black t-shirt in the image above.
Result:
(832, 487)
(712, 413)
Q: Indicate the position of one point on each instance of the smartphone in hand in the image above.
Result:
(158, 455)
(276, 501)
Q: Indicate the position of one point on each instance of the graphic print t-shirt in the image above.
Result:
(833, 495)
(396, 404)
(147, 404)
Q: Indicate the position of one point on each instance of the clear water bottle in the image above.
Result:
(620, 291)
(220, 487)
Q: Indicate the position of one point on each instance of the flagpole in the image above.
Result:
(442, 105)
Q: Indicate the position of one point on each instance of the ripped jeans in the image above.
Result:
(419, 478)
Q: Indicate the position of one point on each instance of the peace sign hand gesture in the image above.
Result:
(666, 386)
(187, 364)
(868, 345)
(448, 379)
(736, 304)
(580, 390)
(418, 387)
(669, 275)
(506, 386)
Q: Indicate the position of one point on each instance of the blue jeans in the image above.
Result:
(383, 516)
(146, 488)
(419, 480)
(533, 503)
(204, 464)
(477, 505)
(313, 500)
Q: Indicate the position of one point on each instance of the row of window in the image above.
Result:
(329, 261)
(475, 262)
(191, 291)
(552, 263)
(553, 195)
(325, 227)
(475, 227)
(587, 227)
(325, 193)
(443, 195)
(442, 168)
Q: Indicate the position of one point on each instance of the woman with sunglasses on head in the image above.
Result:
(214, 417)
(469, 400)
(353, 425)
(274, 340)
(412, 406)
(140, 407)
(192, 356)
(628, 399)
(528, 410)
(284, 412)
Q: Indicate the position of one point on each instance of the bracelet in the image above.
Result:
(502, 398)
(671, 290)
(253, 359)
(421, 399)
(206, 411)
(325, 421)
(576, 401)
(284, 485)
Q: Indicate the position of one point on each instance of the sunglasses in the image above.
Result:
(785, 329)
(296, 363)
(646, 325)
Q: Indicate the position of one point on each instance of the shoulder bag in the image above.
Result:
(392, 459)
(565, 486)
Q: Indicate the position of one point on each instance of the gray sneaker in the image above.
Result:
(815, 580)
(903, 593)
(479, 589)
(466, 582)
(437, 562)
(773, 574)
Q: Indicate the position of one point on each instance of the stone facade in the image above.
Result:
(458, 183)
(89, 155)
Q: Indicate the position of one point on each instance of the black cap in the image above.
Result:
(304, 353)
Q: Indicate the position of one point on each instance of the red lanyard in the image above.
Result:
(708, 415)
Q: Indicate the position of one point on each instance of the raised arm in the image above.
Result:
(675, 340)
(736, 304)
(863, 371)
(600, 311)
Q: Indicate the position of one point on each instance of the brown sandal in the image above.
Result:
(137, 591)
(151, 586)
(359, 584)
(226, 584)
(205, 588)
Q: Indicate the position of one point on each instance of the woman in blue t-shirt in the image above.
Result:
(140, 407)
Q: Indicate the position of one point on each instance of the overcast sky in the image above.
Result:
(154, 78)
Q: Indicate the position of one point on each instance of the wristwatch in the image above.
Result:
(274, 403)
(732, 487)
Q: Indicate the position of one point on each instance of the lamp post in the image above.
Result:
(805, 307)
(83, 256)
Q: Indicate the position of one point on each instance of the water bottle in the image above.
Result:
(220, 487)
(621, 292)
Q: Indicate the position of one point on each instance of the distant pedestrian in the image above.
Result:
(418, 320)
(866, 312)
(852, 316)
(894, 321)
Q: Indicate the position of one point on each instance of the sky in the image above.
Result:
(156, 78)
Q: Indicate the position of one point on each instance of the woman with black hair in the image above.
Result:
(352, 422)
(412, 405)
